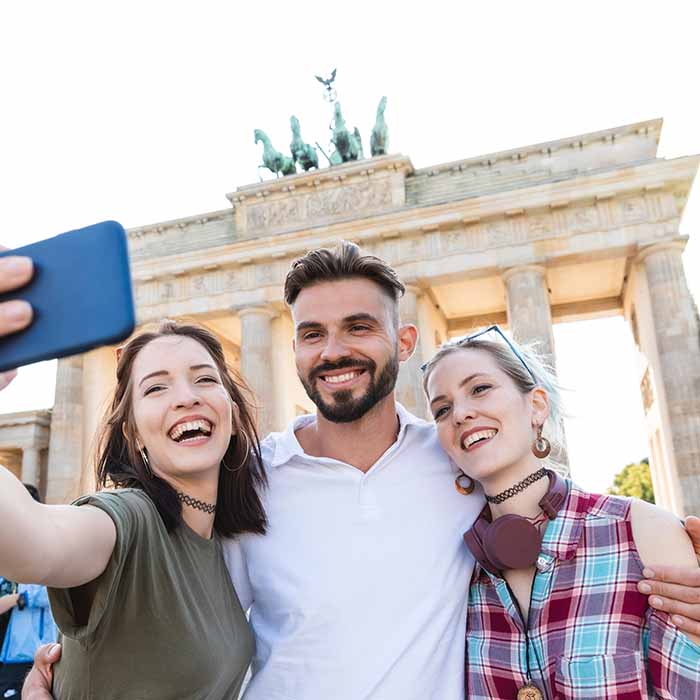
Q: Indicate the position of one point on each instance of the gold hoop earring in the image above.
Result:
(146, 463)
(464, 490)
(246, 453)
(541, 447)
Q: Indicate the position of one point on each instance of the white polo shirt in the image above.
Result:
(358, 590)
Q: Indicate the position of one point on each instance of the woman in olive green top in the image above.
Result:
(140, 590)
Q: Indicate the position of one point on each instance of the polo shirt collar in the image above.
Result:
(286, 446)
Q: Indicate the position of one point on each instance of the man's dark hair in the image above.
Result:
(345, 261)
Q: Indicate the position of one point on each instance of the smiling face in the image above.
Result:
(180, 408)
(348, 346)
(484, 422)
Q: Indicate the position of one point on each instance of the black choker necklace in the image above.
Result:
(195, 503)
(518, 488)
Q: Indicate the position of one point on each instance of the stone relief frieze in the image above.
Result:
(514, 228)
(582, 219)
(633, 209)
(301, 209)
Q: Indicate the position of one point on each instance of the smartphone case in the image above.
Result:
(81, 295)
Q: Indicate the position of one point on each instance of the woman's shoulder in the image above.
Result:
(659, 536)
(122, 505)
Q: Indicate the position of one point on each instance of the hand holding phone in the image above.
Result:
(80, 296)
(15, 272)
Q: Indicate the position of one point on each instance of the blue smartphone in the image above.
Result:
(81, 295)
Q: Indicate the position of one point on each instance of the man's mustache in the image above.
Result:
(347, 363)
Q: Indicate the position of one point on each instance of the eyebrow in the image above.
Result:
(348, 320)
(164, 373)
(464, 381)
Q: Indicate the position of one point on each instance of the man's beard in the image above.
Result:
(345, 408)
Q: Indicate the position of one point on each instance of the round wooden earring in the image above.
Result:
(541, 447)
(464, 490)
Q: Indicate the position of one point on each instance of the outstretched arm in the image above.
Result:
(676, 589)
(59, 546)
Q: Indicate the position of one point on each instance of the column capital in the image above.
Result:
(676, 244)
(268, 311)
(510, 272)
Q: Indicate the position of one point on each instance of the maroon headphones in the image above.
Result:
(512, 541)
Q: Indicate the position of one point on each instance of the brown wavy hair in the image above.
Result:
(118, 462)
(345, 261)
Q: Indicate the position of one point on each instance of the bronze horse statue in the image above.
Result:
(347, 146)
(379, 141)
(302, 153)
(274, 160)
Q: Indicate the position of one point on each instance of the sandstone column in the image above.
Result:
(31, 466)
(530, 320)
(66, 445)
(529, 314)
(409, 387)
(676, 335)
(257, 362)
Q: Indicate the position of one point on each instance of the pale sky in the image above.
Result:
(144, 112)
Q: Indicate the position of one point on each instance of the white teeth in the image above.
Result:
(203, 425)
(475, 437)
(341, 377)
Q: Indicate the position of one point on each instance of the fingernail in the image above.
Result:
(677, 620)
(644, 588)
(15, 266)
(54, 648)
(17, 311)
(648, 573)
(656, 602)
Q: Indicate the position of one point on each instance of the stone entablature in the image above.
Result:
(595, 214)
(28, 429)
(209, 230)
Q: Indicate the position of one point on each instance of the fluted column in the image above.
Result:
(257, 362)
(409, 386)
(31, 466)
(66, 444)
(529, 313)
(676, 333)
(530, 321)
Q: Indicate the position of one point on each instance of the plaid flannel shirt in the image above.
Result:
(590, 633)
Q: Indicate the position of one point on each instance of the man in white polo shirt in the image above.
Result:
(359, 588)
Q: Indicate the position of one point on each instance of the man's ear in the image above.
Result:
(408, 338)
(539, 400)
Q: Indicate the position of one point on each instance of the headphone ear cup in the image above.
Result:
(474, 539)
(512, 542)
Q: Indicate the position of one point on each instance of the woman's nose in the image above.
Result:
(462, 412)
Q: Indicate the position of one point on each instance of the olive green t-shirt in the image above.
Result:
(165, 622)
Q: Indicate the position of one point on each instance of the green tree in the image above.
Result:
(634, 480)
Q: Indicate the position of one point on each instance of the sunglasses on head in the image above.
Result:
(496, 329)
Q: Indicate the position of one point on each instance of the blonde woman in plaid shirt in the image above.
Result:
(571, 623)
